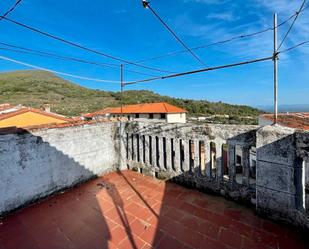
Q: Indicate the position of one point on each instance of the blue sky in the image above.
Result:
(124, 29)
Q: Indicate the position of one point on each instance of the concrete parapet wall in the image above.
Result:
(38, 163)
(280, 186)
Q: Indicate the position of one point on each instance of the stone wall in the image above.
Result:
(280, 186)
(38, 163)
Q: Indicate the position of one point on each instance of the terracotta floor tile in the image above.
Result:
(112, 211)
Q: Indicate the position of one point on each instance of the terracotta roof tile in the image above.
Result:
(292, 120)
(161, 107)
(24, 110)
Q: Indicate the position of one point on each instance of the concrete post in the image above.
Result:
(196, 166)
(208, 155)
(168, 154)
(186, 163)
(177, 155)
(154, 152)
(161, 153)
(141, 148)
(147, 150)
(135, 147)
(246, 166)
(232, 165)
(219, 162)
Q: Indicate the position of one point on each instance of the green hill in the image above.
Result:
(35, 88)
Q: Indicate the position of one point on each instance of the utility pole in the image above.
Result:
(121, 87)
(275, 59)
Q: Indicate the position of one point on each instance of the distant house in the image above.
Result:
(153, 112)
(20, 116)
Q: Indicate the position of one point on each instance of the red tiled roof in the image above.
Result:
(292, 120)
(24, 110)
(140, 108)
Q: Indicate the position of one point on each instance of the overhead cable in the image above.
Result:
(200, 70)
(221, 41)
(24, 50)
(56, 72)
(291, 26)
(10, 9)
(147, 6)
(81, 46)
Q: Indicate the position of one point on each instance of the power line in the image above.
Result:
(147, 5)
(25, 50)
(82, 47)
(289, 30)
(294, 47)
(11, 9)
(221, 41)
(200, 70)
(56, 72)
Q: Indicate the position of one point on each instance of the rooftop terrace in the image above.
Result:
(128, 210)
(134, 201)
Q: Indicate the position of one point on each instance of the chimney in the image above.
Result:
(45, 108)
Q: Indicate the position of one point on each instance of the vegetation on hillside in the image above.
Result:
(35, 88)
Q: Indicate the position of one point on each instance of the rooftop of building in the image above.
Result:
(128, 210)
(293, 120)
(23, 110)
(161, 107)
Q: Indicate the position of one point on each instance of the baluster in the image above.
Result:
(232, 164)
(177, 155)
(246, 166)
(196, 157)
(219, 162)
(168, 154)
(147, 150)
(186, 151)
(208, 157)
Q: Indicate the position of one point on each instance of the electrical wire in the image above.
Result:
(294, 47)
(81, 46)
(221, 41)
(147, 5)
(290, 28)
(11, 9)
(200, 70)
(56, 72)
(24, 50)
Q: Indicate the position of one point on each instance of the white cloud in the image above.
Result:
(223, 16)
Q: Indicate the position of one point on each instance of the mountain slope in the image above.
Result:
(35, 88)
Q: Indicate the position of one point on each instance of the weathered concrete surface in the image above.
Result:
(36, 164)
(280, 175)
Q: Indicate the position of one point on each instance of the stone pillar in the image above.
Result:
(168, 154)
(161, 153)
(186, 163)
(219, 162)
(196, 166)
(177, 155)
(147, 150)
(246, 166)
(141, 148)
(129, 146)
(208, 155)
(154, 152)
(232, 164)
(134, 147)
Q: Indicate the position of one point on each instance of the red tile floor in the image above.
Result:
(128, 210)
